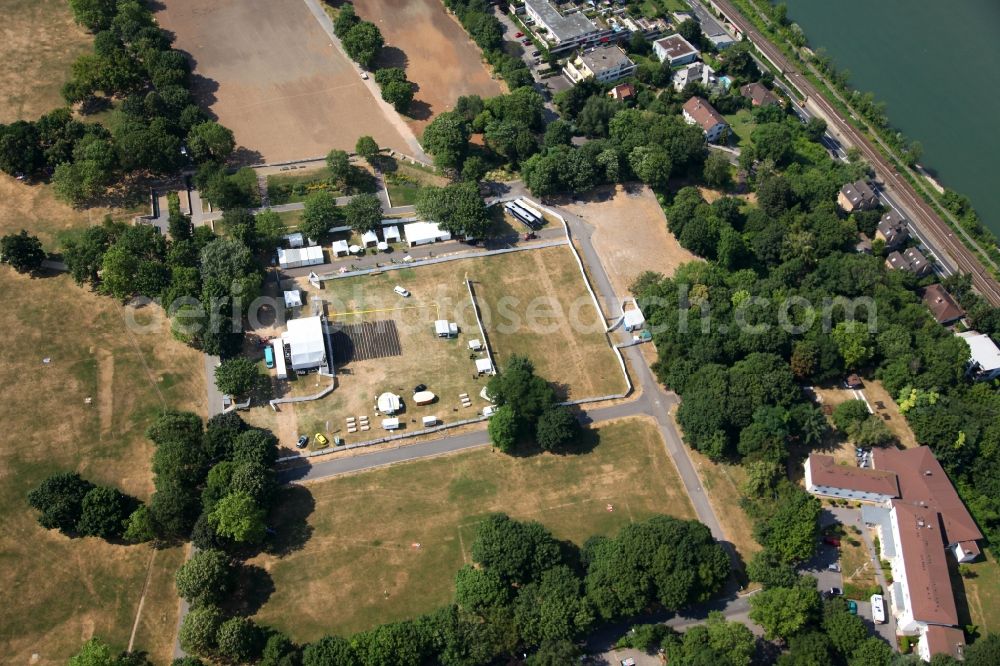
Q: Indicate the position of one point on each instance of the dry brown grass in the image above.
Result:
(621, 218)
(38, 41)
(59, 591)
(361, 566)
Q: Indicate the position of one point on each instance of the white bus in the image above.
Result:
(878, 609)
(523, 215)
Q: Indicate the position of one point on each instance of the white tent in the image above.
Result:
(306, 256)
(441, 328)
(391, 234)
(475, 345)
(293, 298)
(304, 338)
(369, 238)
(340, 248)
(383, 246)
(388, 403)
(483, 366)
(295, 240)
(634, 319)
(278, 346)
(421, 233)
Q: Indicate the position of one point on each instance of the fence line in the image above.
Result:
(479, 322)
(303, 398)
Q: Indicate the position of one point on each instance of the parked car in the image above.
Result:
(535, 54)
(526, 42)
(832, 541)
(488, 410)
(303, 441)
(402, 292)
(852, 606)
(269, 357)
(419, 387)
(833, 567)
(531, 235)
(321, 439)
(836, 592)
(519, 35)
(364, 75)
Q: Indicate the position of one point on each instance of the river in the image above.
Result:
(936, 66)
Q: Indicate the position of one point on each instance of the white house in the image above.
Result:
(563, 32)
(698, 111)
(984, 360)
(422, 233)
(605, 64)
(306, 346)
(696, 72)
(675, 49)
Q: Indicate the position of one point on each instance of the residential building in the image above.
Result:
(622, 91)
(698, 111)
(605, 64)
(864, 244)
(858, 195)
(892, 229)
(984, 358)
(912, 260)
(676, 50)
(759, 94)
(711, 27)
(563, 32)
(696, 72)
(944, 308)
(918, 523)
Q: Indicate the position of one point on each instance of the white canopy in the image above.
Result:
(388, 403)
(369, 238)
(295, 240)
(390, 233)
(420, 233)
(423, 398)
(475, 345)
(390, 424)
(339, 247)
(293, 298)
(355, 249)
(483, 366)
(383, 246)
(441, 327)
(304, 338)
(306, 256)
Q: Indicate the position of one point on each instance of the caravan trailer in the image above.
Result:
(878, 609)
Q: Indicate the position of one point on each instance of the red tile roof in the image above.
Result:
(703, 113)
(946, 640)
(931, 596)
(824, 471)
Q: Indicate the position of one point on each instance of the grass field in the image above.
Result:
(404, 181)
(978, 596)
(361, 566)
(40, 42)
(742, 125)
(58, 591)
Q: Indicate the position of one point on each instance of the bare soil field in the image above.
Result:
(630, 234)
(269, 72)
(59, 591)
(38, 42)
(435, 51)
(385, 544)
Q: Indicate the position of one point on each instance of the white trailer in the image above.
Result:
(878, 609)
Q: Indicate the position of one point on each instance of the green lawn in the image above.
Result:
(295, 186)
(978, 596)
(742, 124)
(384, 545)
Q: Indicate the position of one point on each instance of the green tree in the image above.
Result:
(527, 394)
(773, 141)
(364, 213)
(254, 446)
(210, 141)
(871, 652)
(458, 208)
(481, 590)
(558, 133)
(399, 94)
(518, 551)
(268, 230)
(785, 611)
(330, 651)
(367, 149)
(732, 641)
(20, 149)
(239, 517)
(59, 498)
(94, 15)
(503, 428)
(854, 342)
(691, 31)
(238, 377)
(339, 164)
(199, 629)
(790, 529)
(552, 608)
(849, 414)
(557, 429)
(717, 171)
(319, 215)
(810, 648)
(206, 578)
(104, 513)
(447, 139)
(557, 652)
(984, 652)
(346, 19)
(239, 640)
(761, 478)
(22, 251)
(139, 527)
(474, 169)
(769, 569)
(95, 652)
(652, 165)
(844, 629)
(363, 42)
(386, 75)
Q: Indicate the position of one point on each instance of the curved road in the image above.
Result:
(931, 226)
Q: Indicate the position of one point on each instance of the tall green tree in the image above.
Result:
(22, 251)
(206, 578)
(447, 139)
(239, 517)
(59, 498)
(105, 512)
(364, 213)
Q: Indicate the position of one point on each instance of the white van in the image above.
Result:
(878, 609)
(402, 292)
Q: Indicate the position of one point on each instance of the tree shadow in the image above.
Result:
(390, 56)
(253, 587)
(420, 110)
(291, 530)
(203, 89)
(244, 156)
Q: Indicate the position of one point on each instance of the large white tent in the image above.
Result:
(388, 403)
(391, 234)
(306, 256)
(304, 338)
(369, 238)
(421, 233)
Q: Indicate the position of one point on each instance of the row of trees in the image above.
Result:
(76, 507)
(487, 32)
(361, 39)
(525, 591)
(153, 119)
(527, 411)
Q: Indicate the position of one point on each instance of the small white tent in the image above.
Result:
(421, 233)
